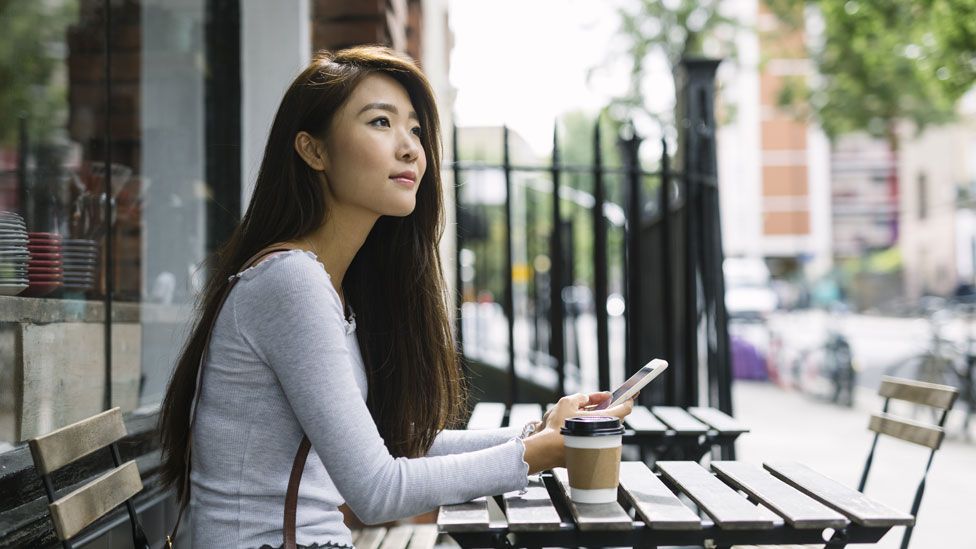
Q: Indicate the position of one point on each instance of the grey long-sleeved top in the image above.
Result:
(284, 360)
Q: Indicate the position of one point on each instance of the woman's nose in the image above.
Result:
(410, 149)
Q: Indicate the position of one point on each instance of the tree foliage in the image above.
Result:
(675, 29)
(881, 62)
(31, 51)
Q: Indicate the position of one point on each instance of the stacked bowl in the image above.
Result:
(44, 271)
(79, 260)
(13, 254)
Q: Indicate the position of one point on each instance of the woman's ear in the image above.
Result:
(312, 151)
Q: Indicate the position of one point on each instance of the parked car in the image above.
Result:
(748, 292)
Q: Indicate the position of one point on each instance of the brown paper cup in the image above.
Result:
(593, 463)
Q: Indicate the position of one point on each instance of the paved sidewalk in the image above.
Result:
(835, 441)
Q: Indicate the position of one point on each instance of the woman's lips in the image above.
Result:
(406, 182)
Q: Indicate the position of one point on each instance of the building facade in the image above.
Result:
(772, 162)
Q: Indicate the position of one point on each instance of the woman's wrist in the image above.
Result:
(543, 450)
(530, 429)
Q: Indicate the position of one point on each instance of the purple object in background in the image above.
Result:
(747, 361)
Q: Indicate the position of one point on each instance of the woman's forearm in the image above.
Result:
(544, 450)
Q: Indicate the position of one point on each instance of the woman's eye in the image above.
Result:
(381, 121)
(418, 131)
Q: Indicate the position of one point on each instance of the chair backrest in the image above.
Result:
(74, 511)
(939, 397)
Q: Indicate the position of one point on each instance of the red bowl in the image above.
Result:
(54, 236)
(32, 275)
(45, 276)
(38, 290)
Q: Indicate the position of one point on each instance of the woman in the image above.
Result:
(350, 185)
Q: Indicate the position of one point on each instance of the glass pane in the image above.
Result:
(162, 230)
(53, 220)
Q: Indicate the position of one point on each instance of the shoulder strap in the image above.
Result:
(196, 399)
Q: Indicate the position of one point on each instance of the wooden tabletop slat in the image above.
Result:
(524, 413)
(397, 537)
(718, 420)
(593, 516)
(655, 503)
(370, 538)
(726, 506)
(471, 516)
(531, 511)
(848, 501)
(799, 510)
(679, 420)
(487, 415)
(424, 536)
(643, 421)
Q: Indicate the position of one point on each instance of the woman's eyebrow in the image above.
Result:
(386, 107)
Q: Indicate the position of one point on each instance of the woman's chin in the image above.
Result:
(401, 210)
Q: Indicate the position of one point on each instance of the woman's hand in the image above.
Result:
(544, 449)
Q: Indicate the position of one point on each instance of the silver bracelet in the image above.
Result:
(529, 429)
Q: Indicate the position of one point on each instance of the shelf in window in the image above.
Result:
(32, 310)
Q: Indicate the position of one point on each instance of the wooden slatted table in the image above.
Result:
(735, 503)
(661, 432)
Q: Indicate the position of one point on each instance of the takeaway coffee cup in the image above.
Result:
(593, 457)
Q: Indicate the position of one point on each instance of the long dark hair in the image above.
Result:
(395, 283)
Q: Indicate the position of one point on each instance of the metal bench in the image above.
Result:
(404, 536)
(737, 504)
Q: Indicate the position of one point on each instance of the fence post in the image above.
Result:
(667, 284)
(630, 147)
(458, 242)
(696, 103)
(557, 346)
(600, 265)
(509, 286)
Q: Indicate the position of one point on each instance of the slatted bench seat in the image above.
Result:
(405, 536)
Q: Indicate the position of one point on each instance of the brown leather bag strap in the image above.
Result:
(196, 396)
(291, 497)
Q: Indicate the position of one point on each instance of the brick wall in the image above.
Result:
(338, 24)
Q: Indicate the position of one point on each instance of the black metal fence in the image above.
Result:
(667, 258)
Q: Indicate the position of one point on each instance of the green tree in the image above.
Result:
(879, 63)
(675, 29)
(32, 32)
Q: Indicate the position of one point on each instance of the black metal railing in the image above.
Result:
(671, 254)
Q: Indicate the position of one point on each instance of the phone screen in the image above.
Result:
(647, 370)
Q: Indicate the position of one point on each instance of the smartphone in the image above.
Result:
(633, 385)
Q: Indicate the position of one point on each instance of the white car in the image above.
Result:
(748, 293)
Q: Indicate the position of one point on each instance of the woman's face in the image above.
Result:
(375, 157)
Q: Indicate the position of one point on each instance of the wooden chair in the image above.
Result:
(74, 511)
(939, 397)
